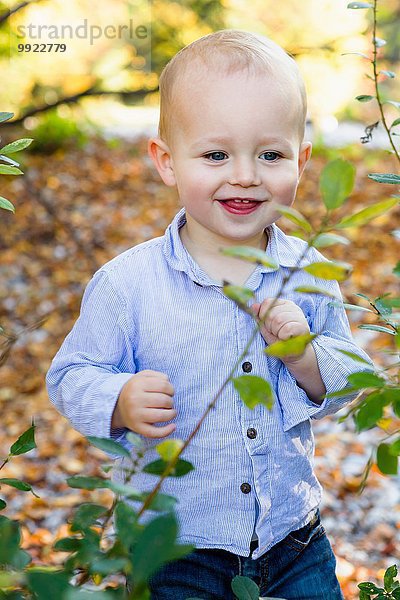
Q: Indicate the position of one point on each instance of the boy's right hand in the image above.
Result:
(145, 399)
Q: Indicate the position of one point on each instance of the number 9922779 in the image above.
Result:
(42, 47)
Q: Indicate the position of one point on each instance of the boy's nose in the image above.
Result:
(245, 173)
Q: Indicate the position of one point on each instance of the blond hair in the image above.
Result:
(229, 51)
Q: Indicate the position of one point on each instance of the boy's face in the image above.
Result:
(234, 149)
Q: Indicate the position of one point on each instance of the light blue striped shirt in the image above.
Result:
(153, 307)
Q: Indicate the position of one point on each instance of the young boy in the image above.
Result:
(157, 336)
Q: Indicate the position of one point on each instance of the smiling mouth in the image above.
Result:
(239, 205)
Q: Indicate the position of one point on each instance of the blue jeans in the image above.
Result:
(300, 567)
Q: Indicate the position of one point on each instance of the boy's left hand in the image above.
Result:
(284, 320)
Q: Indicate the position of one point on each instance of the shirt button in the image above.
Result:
(247, 367)
(246, 488)
(251, 433)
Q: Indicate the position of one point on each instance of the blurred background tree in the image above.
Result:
(106, 74)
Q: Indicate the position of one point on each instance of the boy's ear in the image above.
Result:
(304, 156)
(160, 154)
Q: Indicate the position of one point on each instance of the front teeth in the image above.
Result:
(243, 201)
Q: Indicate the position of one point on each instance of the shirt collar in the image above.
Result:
(283, 249)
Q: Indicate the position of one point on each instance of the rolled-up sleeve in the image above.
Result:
(334, 335)
(94, 362)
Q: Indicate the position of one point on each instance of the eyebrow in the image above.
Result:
(225, 140)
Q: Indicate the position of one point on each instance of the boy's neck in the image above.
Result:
(206, 251)
(210, 243)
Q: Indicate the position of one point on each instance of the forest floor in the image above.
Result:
(75, 210)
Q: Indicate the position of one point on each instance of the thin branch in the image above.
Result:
(377, 91)
(228, 378)
(90, 91)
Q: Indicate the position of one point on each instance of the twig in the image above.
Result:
(173, 462)
(377, 92)
(90, 91)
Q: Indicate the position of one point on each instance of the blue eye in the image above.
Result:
(270, 156)
(216, 156)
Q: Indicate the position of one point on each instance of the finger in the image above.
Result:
(291, 329)
(151, 431)
(153, 384)
(155, 400)
(150, 373)
(255, 308)
(156, 415)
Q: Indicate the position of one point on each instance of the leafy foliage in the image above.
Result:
(11, 166)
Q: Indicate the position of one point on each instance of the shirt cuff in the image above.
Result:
(109, 392)
(335, 368)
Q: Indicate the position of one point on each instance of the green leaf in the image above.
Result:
(396, 594)
(168, 449)
(379, 328)
(313, 289)
(294, 216)
(253, 255)
(357, 54)
(110, 446)
(17, 484)
(367, 214)
(157, 467)
(365, 98)
(126, 524)
(387, 463)
(364, 596)
(369, 413)
(369, 587)
(245, 588)
(348, 306)
(292, 346)
(324, 240)
(394, 448)
(134, 439)
(386, 177)
(3, 504)
(240, 295)
(10, 552)
(87, 515)
(329, 270)
(16, 146)
(389, 74)
(384, 306)
(6, 204)
(8, 160)
(24, 443)
(389, 577)
(87, 483)
(395, 123)
(7, 170)
(161, 502)
(156, 546)
(254, 390)
(68, 544)
(392, 102)
(47, 584)
(108, 566)
(364, 379)
(360, 5)
(5, 116)
(354, 356)
(336, 182)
